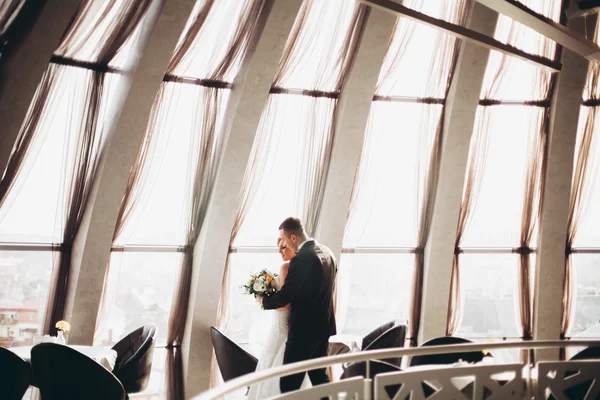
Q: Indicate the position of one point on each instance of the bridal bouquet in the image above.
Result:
(261, 283)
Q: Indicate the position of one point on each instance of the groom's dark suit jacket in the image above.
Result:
(309, 288)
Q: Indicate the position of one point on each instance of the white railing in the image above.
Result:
(337, 387)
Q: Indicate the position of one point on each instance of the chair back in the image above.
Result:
(134, 358)
(390, 339)
(232, 359)
(589, 353)
(15, 377)
(375, 333)
(451, 358)
(63, 373)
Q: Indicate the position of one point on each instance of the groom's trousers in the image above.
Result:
(295, 352)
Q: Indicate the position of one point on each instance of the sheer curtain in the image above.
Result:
(406, 117)
(290, 156)
(510, 86)
(171, 182)
(475, 172)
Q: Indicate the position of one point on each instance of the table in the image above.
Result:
(340, 344)
(104, 356)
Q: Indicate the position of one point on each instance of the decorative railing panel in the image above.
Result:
(486, 382)
(568, 380)
(349, 389)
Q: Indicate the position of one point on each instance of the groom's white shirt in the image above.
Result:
(302, 244)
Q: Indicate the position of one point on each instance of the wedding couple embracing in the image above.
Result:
(305, 315)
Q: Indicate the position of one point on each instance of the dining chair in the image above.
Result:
(390, 339)
(375, 333)
(233, 361)
(134, 358)
(63, 373)
(15, 377)
(589, 353)
(450, 358)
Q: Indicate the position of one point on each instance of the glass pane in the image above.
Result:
(525, 38)
(372, 290)
(317, 59)
(213, 41)
(496, 218)
(587, 305)
(247, 324)
(521, 80)
(161, 215)
(88, 33)
(294, 129)
(417, 53)
(398, 139)
(140, 288)
(489, 286)
(34, 209)
(588, 234)
(444, 9)
(24, 284)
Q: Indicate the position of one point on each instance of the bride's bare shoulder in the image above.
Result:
(284, 267)
(283, 271)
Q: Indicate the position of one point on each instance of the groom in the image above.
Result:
(309, 289)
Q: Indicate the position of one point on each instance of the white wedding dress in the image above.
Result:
(272, 356)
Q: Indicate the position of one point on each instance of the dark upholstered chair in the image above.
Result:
(450, 358)
(390, 339)
(590, 353)
(134, 358)
(375, 333)
(232, 359)
(63, 373)
(15, 377)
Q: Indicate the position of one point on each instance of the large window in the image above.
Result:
(582, 318)
(498, 223)
(290, 156)
(386, 230)
(149, 272)
(48, 178)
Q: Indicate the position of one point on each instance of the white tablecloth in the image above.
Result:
(104, 356)
(339, 344)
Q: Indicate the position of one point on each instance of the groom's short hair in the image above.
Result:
(292, 225)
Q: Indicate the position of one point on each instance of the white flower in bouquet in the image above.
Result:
(259, 286)
(262, 283)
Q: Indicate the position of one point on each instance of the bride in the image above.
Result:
(272, 353)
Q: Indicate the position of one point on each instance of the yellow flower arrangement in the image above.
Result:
(63, 326)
